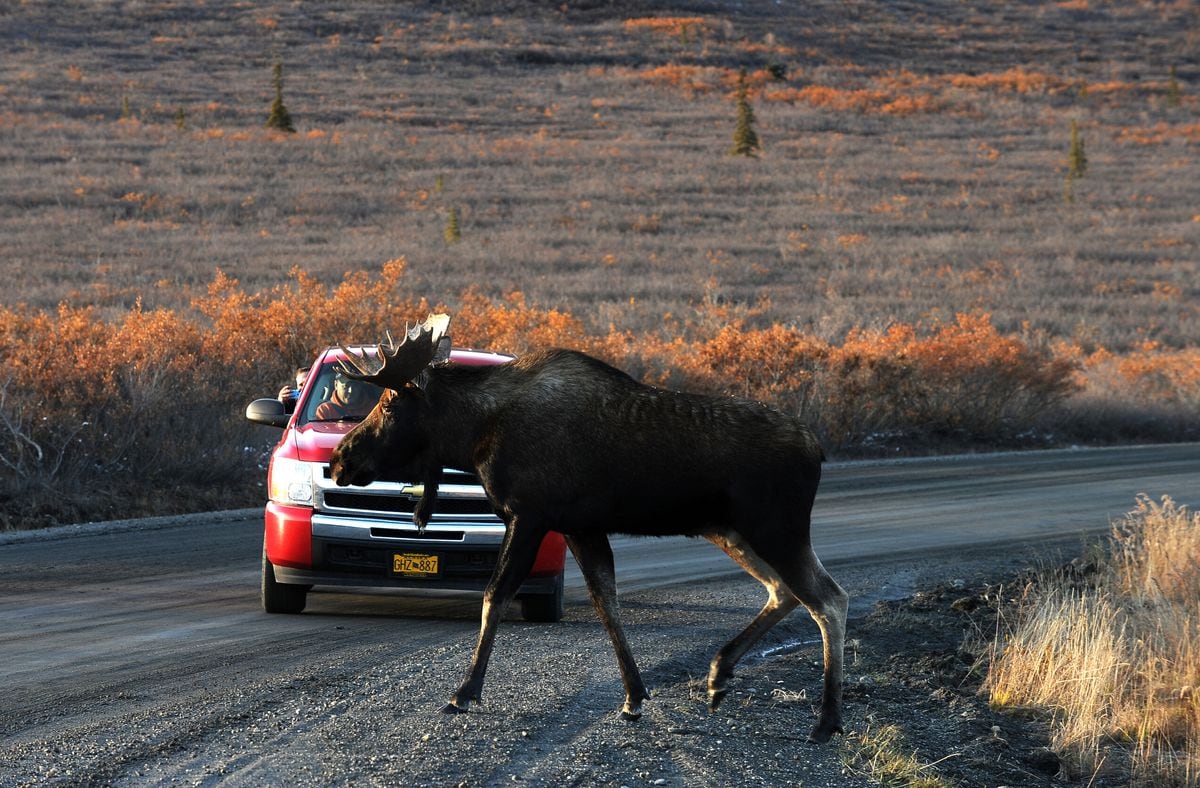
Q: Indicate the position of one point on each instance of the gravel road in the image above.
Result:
(136, 652)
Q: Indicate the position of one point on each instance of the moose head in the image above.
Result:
(390, 443)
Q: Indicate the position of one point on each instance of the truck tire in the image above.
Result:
(280, 597)
(544, 608)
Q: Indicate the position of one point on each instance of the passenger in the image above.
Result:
(288, 395)
(350, 399)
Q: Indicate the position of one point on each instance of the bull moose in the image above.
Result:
(564, 442)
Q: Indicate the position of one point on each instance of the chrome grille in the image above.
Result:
(402, 503)
(460, 498)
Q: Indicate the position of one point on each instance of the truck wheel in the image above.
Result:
(544, 608)
(280, 597)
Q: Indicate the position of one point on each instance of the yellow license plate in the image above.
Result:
(415, 564)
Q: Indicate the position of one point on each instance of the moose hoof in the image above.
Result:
(715, 696)
(631, 715)
(824, 731)
(452, 708)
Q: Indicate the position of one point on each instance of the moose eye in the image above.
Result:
(392, 403)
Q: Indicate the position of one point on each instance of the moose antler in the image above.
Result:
(395, 365)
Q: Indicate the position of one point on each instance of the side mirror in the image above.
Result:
(268, 411)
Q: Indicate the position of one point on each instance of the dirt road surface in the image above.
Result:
(135, 653)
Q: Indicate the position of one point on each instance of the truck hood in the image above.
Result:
(315, 440)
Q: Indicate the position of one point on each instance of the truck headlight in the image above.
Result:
(292, 481)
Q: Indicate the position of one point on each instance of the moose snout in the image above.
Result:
(344, 470)
(337, 470)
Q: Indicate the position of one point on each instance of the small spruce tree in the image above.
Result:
(1076, 164)
(745, 140)
(1174, 94)
(181, 120)
(279, 118)
(1076, 158)
(452, 233)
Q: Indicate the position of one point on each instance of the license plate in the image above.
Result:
(415, 564)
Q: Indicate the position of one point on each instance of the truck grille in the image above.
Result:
(403, 504)
(460, 497)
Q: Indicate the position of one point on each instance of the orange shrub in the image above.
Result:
(85, 400)
(703, 79)
(965, 379)
(50, 355)
(776, 364)
(755, 80)
(666, 25)
(1014, 80)
(513, 326)
(690, 79)
(270, 333)
(1160, 133)
(910, 105)
(859, 100)
(831, 98)
(1168, 378)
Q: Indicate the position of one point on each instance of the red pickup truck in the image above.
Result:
(319, 534)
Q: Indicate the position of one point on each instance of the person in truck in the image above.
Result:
(349, 399)
(288, 395)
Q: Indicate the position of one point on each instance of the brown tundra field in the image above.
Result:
(917, 258)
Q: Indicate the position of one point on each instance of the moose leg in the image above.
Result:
(827, 603)
(516, 558)
(780, 602)
(594, 555)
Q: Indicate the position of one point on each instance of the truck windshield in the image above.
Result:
(336, 397)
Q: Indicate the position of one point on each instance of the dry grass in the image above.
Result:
(881, 754)
(1116, 661)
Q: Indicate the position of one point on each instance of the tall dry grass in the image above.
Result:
(1116, 659)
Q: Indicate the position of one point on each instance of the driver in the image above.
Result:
(350, 399)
